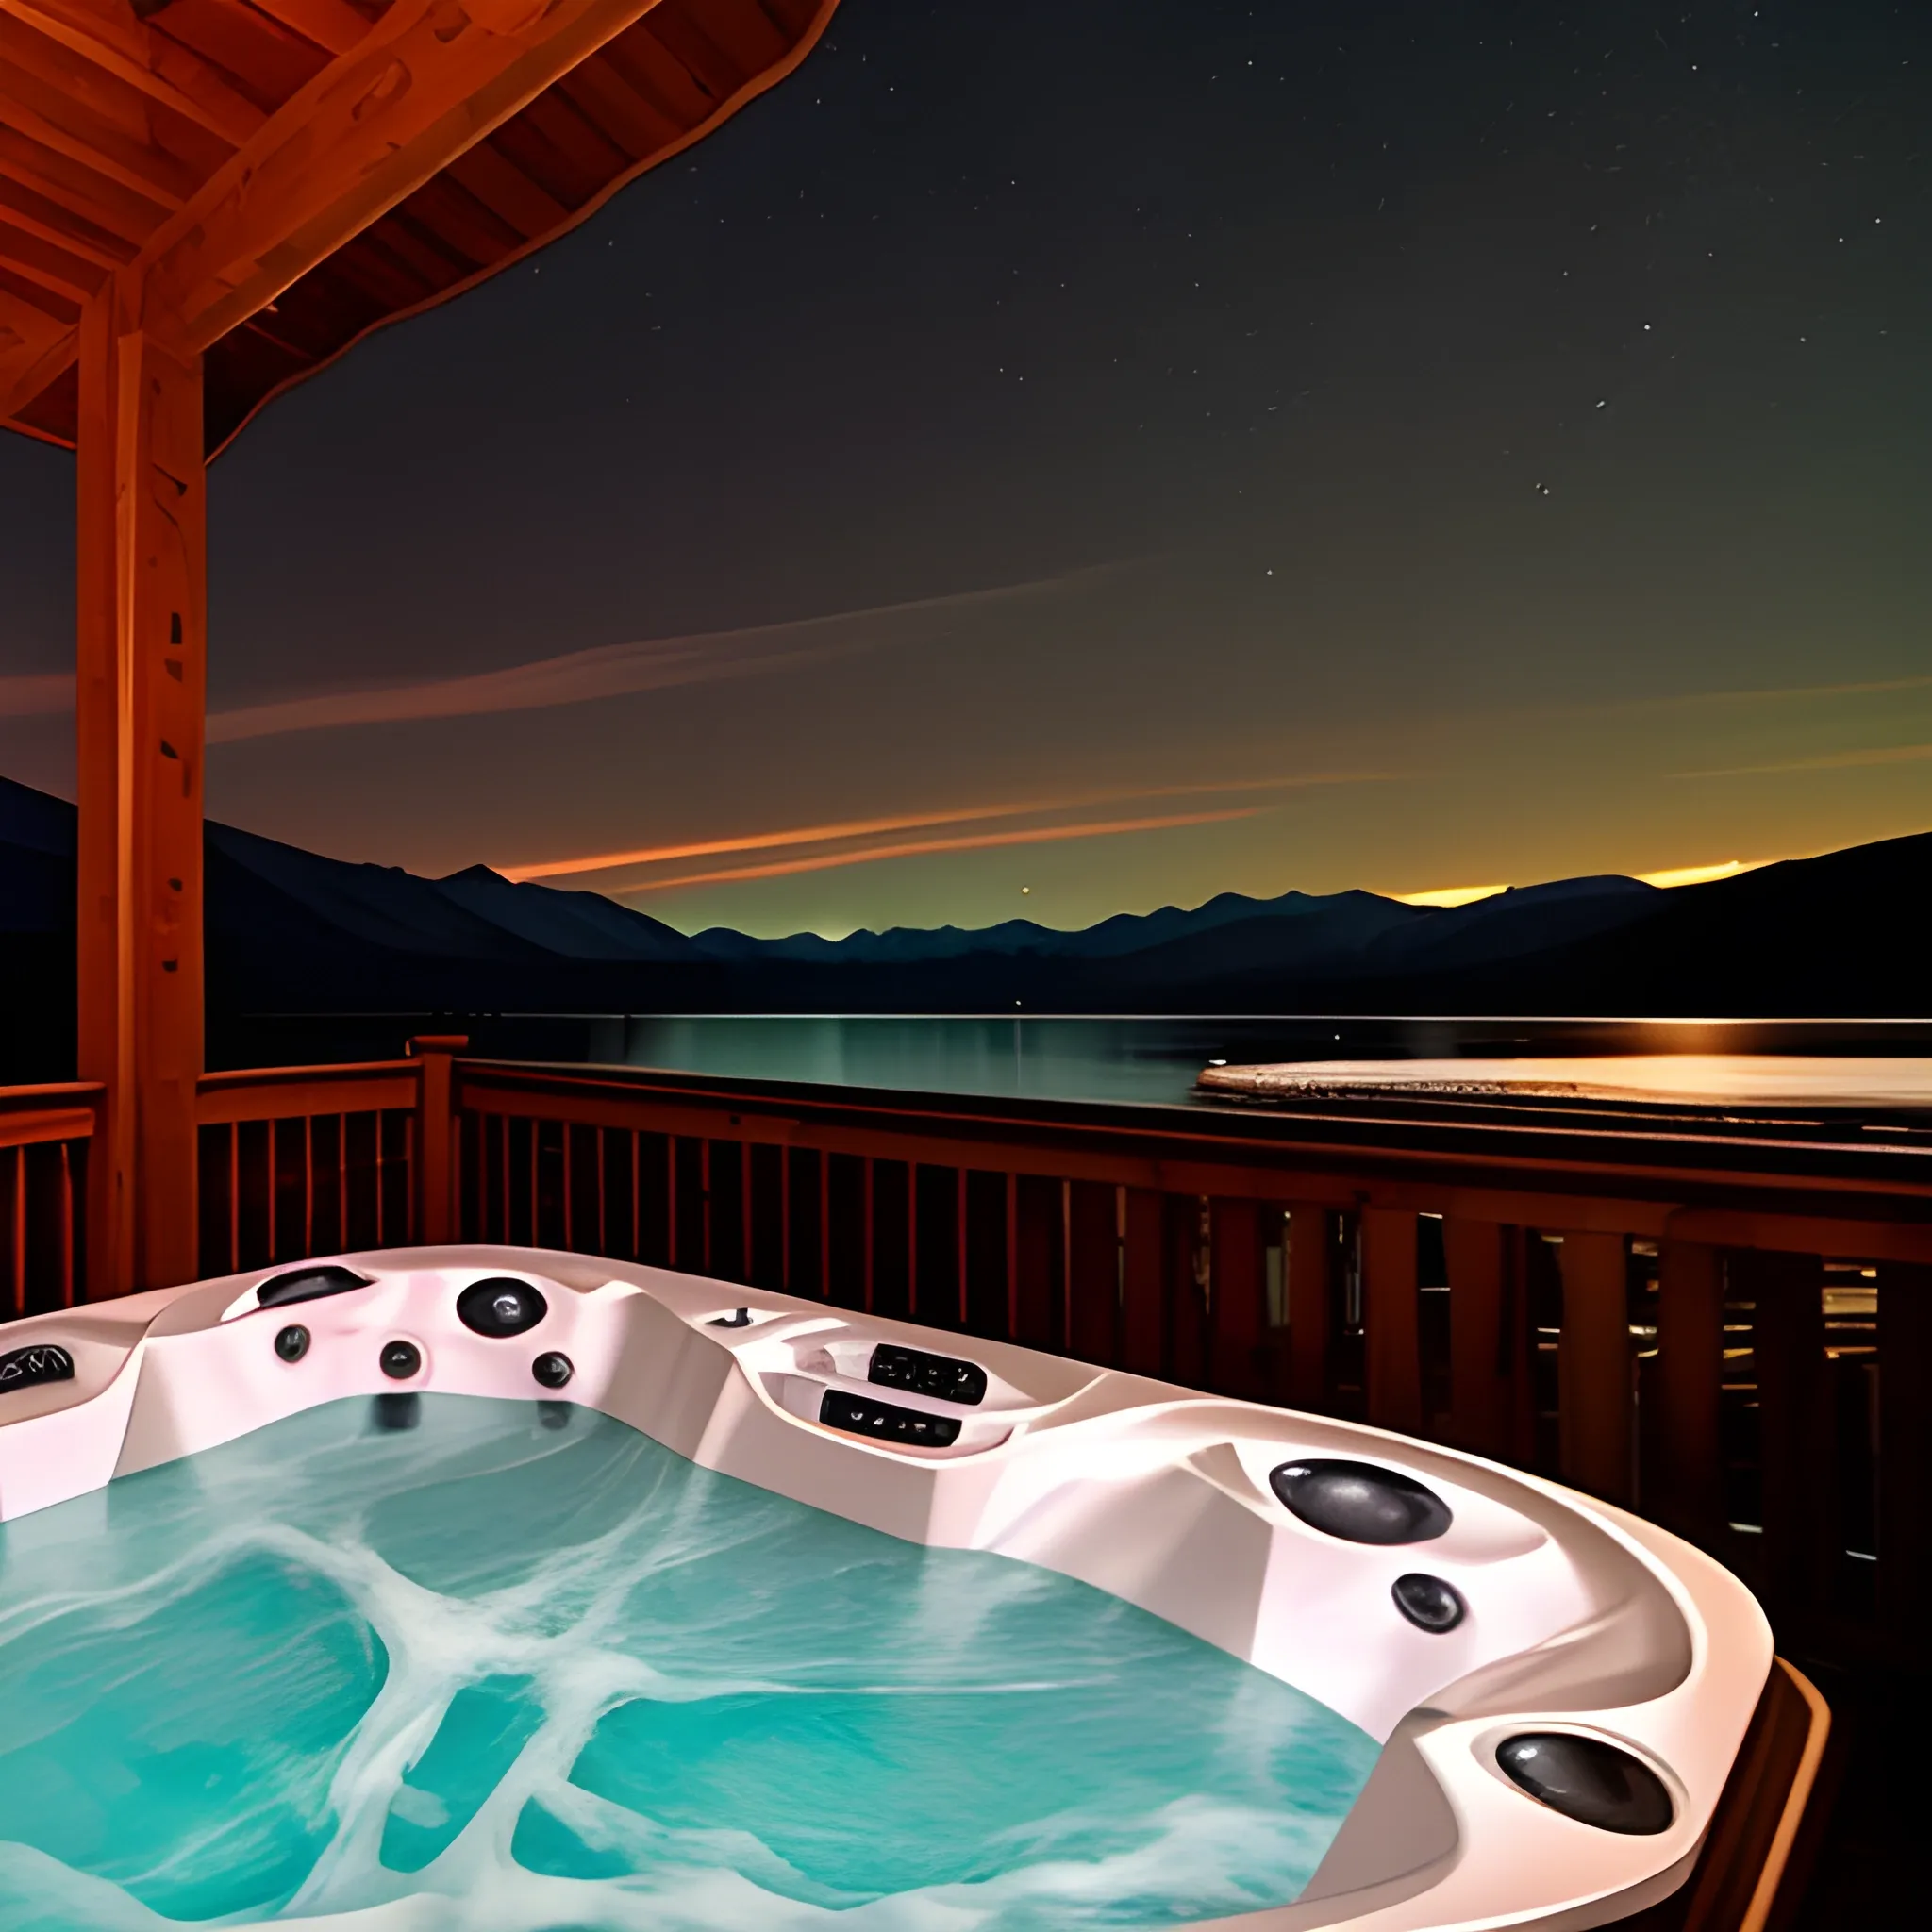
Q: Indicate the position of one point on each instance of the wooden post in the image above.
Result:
(1683, 1481)
(1308, 1262)
(140, 700)
(1594, 1367)
(1482, 1356)
(435, 1169)
(1389, 1315)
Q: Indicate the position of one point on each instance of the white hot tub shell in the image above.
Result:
(1579, 1619)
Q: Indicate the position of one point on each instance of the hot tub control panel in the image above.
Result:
(913, 1370)
(860, 1416)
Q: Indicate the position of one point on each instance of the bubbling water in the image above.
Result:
(515, 1667)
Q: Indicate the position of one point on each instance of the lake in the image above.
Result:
(1151, 1060)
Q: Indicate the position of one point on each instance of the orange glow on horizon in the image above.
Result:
(1699, 875)
(1450, 896)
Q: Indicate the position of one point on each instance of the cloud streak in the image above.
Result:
(974, 842)
(34, 695)
(854, 829)
(611, 671)
(1829, 761)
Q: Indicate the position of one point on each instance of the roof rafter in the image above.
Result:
(48, 263)
(59, 178)
(114, 40)
(347, 162)
(34, 348)
(425, 83)
(331, 23)
(33, 213)
(57, 120)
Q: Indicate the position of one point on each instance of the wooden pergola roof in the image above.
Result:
(202, 202)
(135, 135)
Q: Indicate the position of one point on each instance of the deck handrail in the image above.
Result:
(263, 1094)
(1839, 1194)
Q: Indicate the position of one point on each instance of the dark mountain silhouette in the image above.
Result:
(292, 932)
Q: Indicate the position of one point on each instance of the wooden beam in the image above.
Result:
(106, 205)
(507, 192)
(50, 265)
(111, 37)
(141, 531)
(330, 23)
(34, 348)
(424, 85)
(53, 117)
(30, 211)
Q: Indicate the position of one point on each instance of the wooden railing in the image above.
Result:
(1693, 1322)
(296, 1162)
(44, 1132)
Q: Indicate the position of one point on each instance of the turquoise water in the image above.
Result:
(520, 1669)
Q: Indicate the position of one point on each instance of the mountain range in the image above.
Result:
(290, 931)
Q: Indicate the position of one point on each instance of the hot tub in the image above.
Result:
(502, 1589)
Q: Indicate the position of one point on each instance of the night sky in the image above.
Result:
(1258, 446)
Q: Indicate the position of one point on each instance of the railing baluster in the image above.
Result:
(501, 1163)
(913, 1305)
(636, 1197)
(535, 1186)
(376, 1118)
(825, 1225)
(867, 1216)
(308, 1183)
(1065, 1340)
(66, 1228)
(705, 1199)
(1013, 1256)
(960, 1213)
(671, 1199)
(271, 1125)
(570, 1239)
(234, 1197)
(20, 1230)
(785, 1218)
(745, 1194)
(603, 1220)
